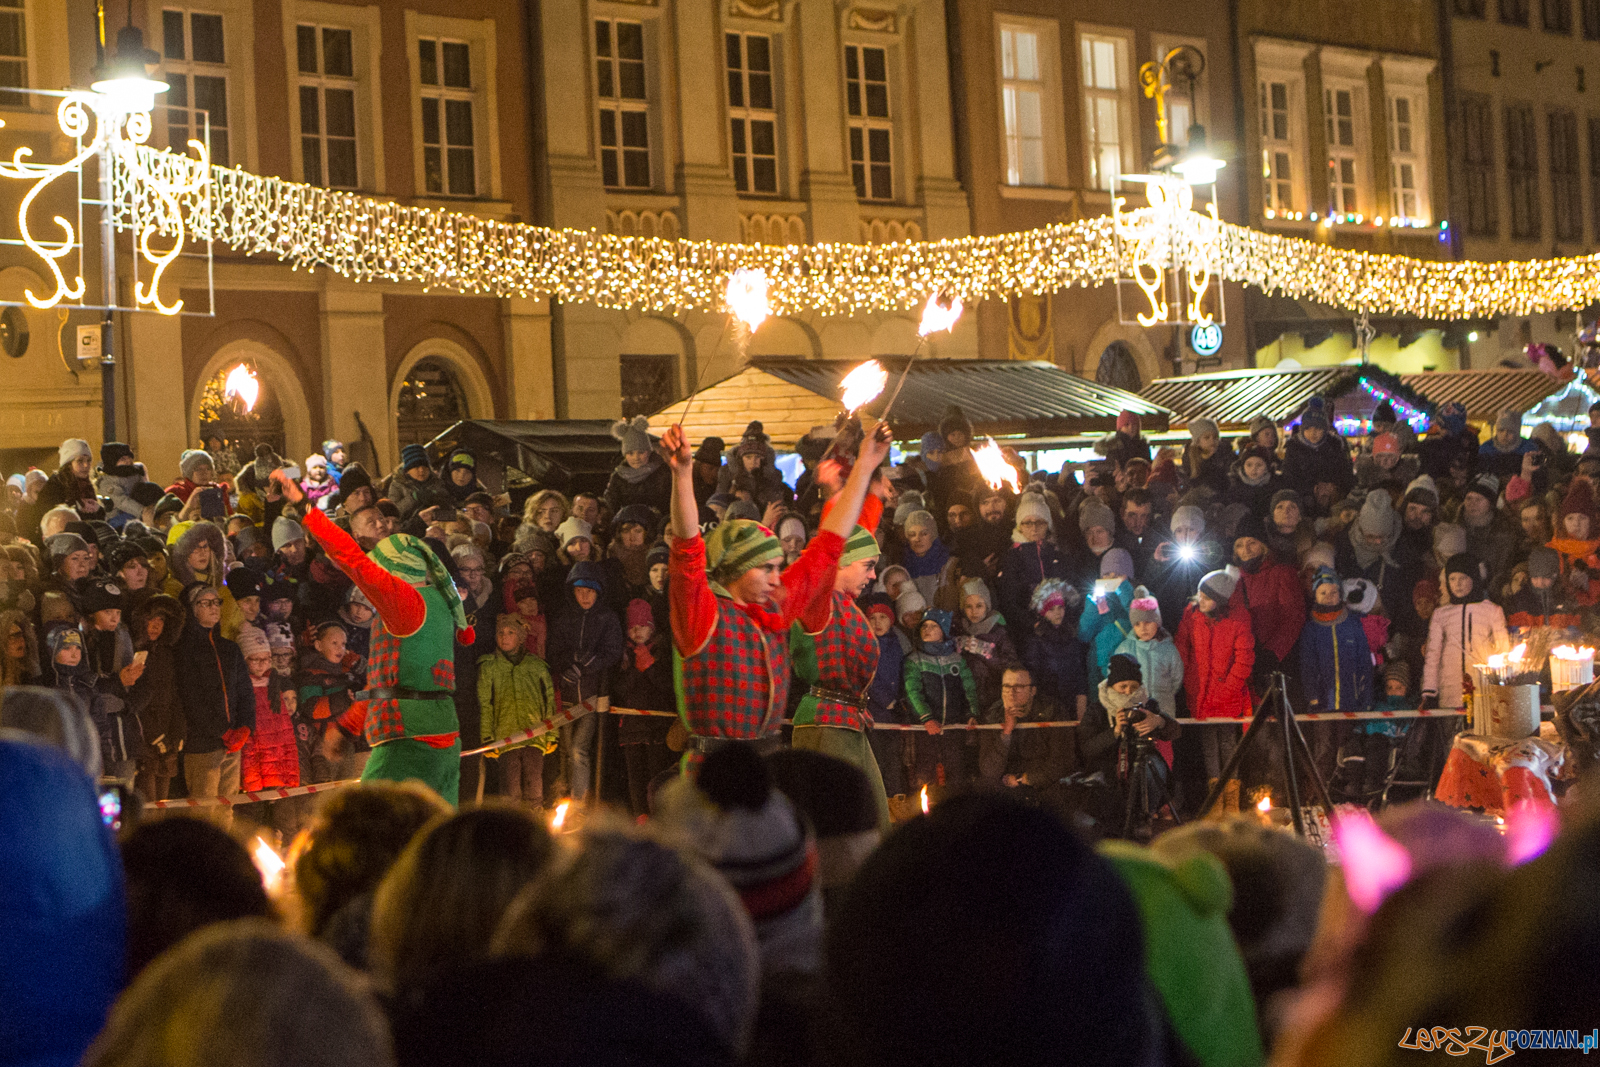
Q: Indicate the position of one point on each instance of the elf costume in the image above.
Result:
(836, 654)
(407, 713)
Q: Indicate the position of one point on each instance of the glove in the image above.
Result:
(236, 738)
(1429, 702)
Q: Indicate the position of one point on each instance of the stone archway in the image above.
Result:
(1136, 343)
(466, 374)
(279, 375)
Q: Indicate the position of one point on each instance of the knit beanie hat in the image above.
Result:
(1128, 423)
(910, 503)
(573, 529)
(412, 456)
(113, 453)
(1189, 517)
(243, 582)
(1315, 417)
(1219, 585)
(1252, 526)
(1422, 490)
(1123, 668)
(1092, 513)
(642, 515)
(1580, 501)
(1361, 594)
(737, 546)
(278, 589)
(1259, 423)
(1325, 576)
(1452, 417)
(193, 458)
(920, 520)
(63, 635)
(1510, 421)
(710, 451)
(940, 618)
(659, 553)
(1116, 563)
(1289, 496)
(954, 419)
(876, 604)
(315, 462)
(252, 641)
(979, 588)
(910, 600)
(510, 620)
(1386, 444)
(1050, 593)
(932, 441)
(1397, 670)
(285, 531)
(858, 546)
(635, 435)
(72, 448)
(1461, 563)
(1518, 488)
(329, 447)
(1202, 427)
(278, 640)
(1033, 506)
(1144, 608)
(1377, 518)
(1191, 957)
(1486, 486)
(1449, 539)
(99, 594)
(1544, 562)
(639, 613)
(460, 457)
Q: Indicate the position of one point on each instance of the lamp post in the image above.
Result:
(124, 85)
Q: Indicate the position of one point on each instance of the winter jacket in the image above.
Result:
(1369, 475)
(118, 728)
(1118, 447)
(1211, 472)
(1504, 465)
(1276, 603)
(515, 696)
(1043, 756)
(215, 690)
(324, 690)
(1022, 568)
(883, 695)
(940, 688)
(1494, 542)
(1097, 739)
(1257, 498)
(179, 573)
(411, 496)
(61, 488)
(1218, 655)
(644, 681)
(987, 648)
(1439, 450)
(1056, 659)
(1336, 663)
(585, 648)
(1174, 581)
(1460, 635)
(154, 698)
(1159, 665)
(1583, 581)
(270, 759)
(1305, 464)
(115, 485)
(1529, 608)
(650, 485)
(1103, 631)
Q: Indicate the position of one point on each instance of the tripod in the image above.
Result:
(1275, 701)
(1139, 794)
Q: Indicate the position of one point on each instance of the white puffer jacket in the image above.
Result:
(1458, 636)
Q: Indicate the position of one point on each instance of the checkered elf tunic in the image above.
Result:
(737, 684)
(841, 658)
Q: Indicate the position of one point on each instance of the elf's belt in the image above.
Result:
(401, 693)
(707, 745)
(839, 696)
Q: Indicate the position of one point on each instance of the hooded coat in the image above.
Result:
(271, 758)
(1218, 656)
(1103, 631)
(410, 496)
(180, 574)
(1159, 665)
(154, 698)
(115, 484)
(216, 693)
(1277, 605)
(1336, 663)
(1306, 464)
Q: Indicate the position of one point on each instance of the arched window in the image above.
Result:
(431, 401)
(231, 426)
(1118, 368)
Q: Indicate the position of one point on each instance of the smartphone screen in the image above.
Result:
(211, 506)
(140, 656)
(111, 808)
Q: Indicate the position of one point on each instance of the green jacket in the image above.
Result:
(515, 697)
(941, 687)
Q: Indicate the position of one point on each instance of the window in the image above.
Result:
(1556, 15)
(196, 71)
(1477, 151)
(1591, 20)
(1522, 170)
(1118, 368)
(1107, 116)
(624, 104)
(1022, 92)
(449, 157)
(1406, 157)
(1340, 112)
(752, 113)
(1514, 12)
(13, 44)
(649, 383)
(431, 401)
(1277, 147)
(1566, 196)
(326, 62)
(866, 90)
(1473, 9)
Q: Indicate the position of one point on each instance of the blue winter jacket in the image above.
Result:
(1104, 632)
(1160, 665)
(1336, 663)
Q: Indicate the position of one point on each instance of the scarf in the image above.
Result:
(635, 475)
(1255, 483)
(411, 560)
(1327, 617)
(980, 629)
(1114, 701)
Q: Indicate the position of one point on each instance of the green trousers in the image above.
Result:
(402, 760)
(854, 748)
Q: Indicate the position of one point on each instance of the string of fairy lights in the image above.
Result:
(367, 239)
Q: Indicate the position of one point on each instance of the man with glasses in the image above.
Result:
(1013, 757)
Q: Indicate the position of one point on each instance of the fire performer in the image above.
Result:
(731, 609)
(407, 712)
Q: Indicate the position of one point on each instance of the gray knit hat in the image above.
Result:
(1202, 427)
(1219, 585)
(1377, 516)
(285, 532)
(1144, 607)
(191, 459)
(1092, 513)
(635, 435)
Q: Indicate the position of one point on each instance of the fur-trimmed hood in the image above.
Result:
(30, 659)
(171, 613)
(188, 541)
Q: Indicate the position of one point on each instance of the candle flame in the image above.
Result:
(994, 469)
(1264, 805)
(270, 865)
(924, 800)
(747, 297)
(941, 312)
(1497, 662)
(241, 382)
(560, 816)
(863, 385)
(1516, 654)
(1569, 653)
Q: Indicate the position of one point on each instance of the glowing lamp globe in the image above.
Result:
(125, 80)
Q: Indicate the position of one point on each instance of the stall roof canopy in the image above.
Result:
(1233, 398)
(1001, 397)
(571, 455)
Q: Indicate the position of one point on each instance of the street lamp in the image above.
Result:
(1193, 162)
(124, 86)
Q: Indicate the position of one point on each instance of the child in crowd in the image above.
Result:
(282, 653)
(644, 683)
(157, 626)
(329, 673)
(357, 615)
(1055, 656)
(883, 695)
(69, 673)
(1104, 622)
(1336, 671)
(941, 691)
(516, 693)
(1160, 666)
(522, 598)
(319, 480)
(246, 586)
(1465, 631)
(112, 670)
(585, 647)
(1218, 653)
(270, 759)
(909, 608)
(1377, 742)
(983, 640)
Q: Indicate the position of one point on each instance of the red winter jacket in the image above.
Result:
(1276, 605)
(1217, 657)
(270, 759)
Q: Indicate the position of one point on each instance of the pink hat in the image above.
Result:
(1385, 443)
(1128, 422)
(252, 642)
(639, 613)
(1518, 488)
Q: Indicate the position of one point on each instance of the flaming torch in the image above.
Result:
(241, 382)
(559, 819)
(993, 467)
(270, 865)
(923, 798)
(747, 298)
(941, 312)
(863, 385)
